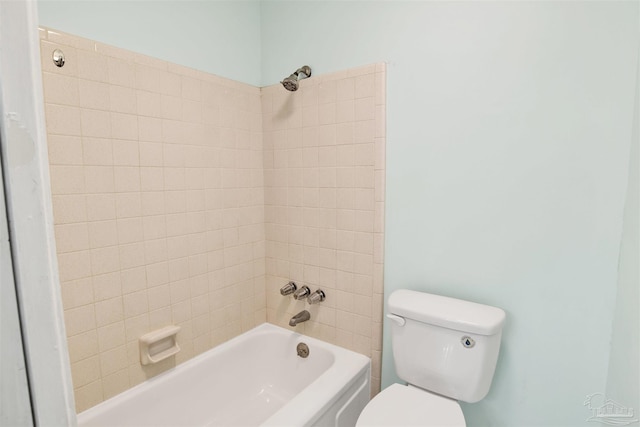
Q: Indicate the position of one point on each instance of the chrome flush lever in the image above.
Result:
(397, 319)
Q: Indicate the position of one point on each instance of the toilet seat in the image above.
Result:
(400, 405)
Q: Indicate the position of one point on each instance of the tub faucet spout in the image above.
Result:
(303, 316)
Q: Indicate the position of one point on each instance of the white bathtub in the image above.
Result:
(255, 379)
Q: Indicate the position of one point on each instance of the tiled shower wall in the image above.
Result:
(168, 209)
(157, 183)
(324, 160)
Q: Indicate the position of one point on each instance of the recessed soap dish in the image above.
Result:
(158, 345)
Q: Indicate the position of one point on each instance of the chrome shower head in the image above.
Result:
(291, 83)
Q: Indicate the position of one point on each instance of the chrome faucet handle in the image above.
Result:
(316, 297)
(287, 289)
(302, 293)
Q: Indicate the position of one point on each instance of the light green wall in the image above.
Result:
(220, 37)
(507, 159)
(623, 379)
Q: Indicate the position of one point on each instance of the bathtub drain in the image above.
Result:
(303, 350)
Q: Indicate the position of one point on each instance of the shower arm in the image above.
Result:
(306, 70)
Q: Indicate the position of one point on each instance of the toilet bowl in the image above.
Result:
(446, 350)
(405, 405)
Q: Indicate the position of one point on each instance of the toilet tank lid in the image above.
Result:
(447, 312)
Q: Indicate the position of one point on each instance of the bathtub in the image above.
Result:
(255, 379)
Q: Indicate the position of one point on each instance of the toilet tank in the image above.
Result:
(445, 345)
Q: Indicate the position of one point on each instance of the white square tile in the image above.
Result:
(94, 95)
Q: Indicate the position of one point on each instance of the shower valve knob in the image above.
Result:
(316, 297)
(302, 293)
(287, 289)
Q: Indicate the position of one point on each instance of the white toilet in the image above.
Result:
(446, 350)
